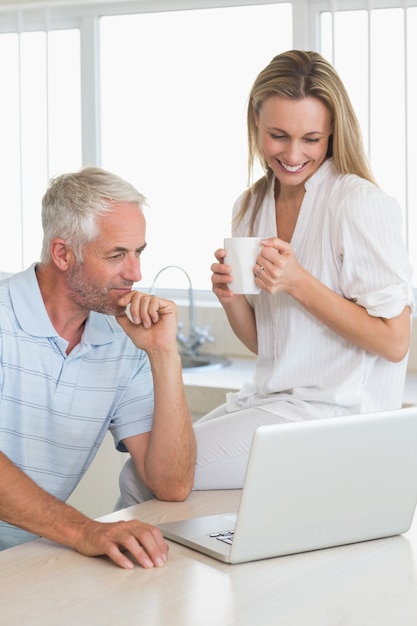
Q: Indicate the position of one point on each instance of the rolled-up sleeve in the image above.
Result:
(376, 272)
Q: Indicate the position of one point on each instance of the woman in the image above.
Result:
(331, 325)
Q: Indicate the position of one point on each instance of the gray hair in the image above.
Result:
(73, 202)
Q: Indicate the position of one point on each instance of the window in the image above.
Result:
(380, 76)
(158, 94)
(174, 88)
(40, 127)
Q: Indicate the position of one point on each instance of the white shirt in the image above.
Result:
(348, 235)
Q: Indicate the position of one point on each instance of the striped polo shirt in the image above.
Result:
(55, 408)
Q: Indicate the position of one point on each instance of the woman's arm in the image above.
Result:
(388, 338)
(239, 312)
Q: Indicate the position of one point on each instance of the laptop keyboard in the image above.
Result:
(225, 536)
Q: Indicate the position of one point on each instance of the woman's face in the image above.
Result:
(293, 136)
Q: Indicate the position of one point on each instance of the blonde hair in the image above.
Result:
(295, 75)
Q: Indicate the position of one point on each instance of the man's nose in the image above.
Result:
(131, 269)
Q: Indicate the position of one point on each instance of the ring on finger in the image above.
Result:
(261, 268)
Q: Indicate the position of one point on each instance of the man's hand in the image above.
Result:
(143, 541)
(26, 505)
(152, 321)
(165, 457)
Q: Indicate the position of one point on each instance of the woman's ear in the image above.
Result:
(61, 254)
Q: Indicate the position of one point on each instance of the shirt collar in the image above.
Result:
(30, 311)
(320, 174)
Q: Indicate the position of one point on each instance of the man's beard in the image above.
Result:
(89, 296)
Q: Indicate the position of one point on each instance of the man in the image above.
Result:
(73, 364)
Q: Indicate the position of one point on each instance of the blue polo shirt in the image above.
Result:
(55, 408)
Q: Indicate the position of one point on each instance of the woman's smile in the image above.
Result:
(293, 169)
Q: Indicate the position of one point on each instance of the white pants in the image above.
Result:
(223, 444)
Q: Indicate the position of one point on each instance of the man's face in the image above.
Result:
(111, 262)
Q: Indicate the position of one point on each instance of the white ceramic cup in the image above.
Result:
(241, 253)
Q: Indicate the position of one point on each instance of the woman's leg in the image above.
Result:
(223, 445)
(132, 489)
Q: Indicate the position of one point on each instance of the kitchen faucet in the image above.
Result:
(197, 336)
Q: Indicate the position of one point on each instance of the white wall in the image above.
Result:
(98, 491)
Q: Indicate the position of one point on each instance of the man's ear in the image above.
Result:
(61, 254)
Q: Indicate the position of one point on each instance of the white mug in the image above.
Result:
(241, 253)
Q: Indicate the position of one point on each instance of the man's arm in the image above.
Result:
(24, 504)
(165, 457)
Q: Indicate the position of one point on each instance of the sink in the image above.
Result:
(203, 362)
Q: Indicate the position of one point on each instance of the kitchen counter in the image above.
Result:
(372, 583)
(207, 388)
(228, 377)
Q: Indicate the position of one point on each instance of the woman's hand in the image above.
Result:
(238, 310)
(222, 277)
(388, 338)
(277, 269)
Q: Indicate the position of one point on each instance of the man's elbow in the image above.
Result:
(175, 489)
(173, 493)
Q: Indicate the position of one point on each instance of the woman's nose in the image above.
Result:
(293, 153)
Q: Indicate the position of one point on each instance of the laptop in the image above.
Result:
(315, 484)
